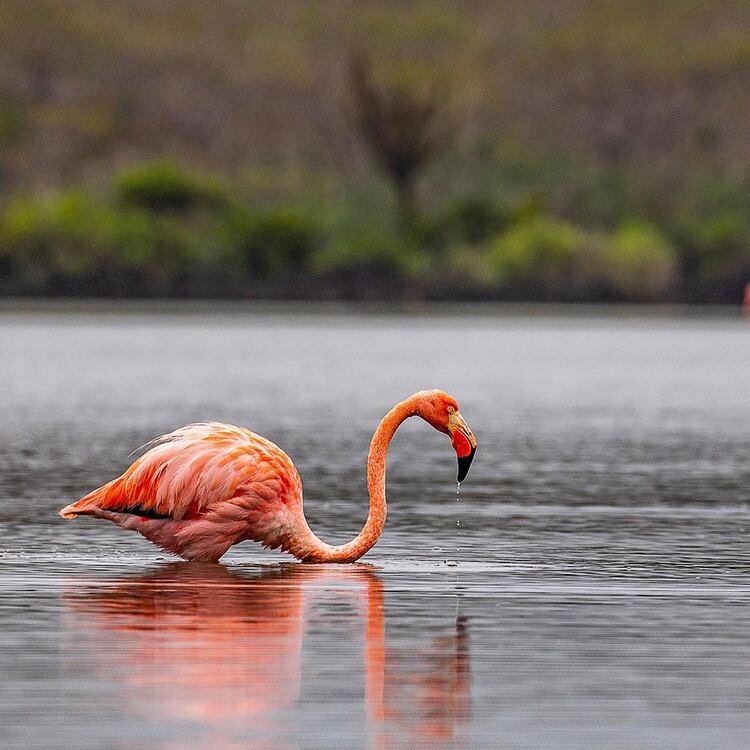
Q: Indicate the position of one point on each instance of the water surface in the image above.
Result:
(598, 594)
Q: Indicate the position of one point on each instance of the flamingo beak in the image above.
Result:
(464, 443)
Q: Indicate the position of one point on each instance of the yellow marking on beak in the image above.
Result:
(457, 422)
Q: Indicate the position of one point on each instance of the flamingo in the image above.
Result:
(205, 487)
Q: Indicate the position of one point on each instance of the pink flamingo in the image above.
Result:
(205, 487)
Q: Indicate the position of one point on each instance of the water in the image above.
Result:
(599, 596)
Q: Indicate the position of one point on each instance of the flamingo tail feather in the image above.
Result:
(88, 505)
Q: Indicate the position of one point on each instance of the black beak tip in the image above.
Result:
(464, 464)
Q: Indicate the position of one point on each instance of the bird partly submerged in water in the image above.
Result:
(203, 488)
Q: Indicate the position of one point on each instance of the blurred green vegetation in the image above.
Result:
(594, 151)
(159, 229)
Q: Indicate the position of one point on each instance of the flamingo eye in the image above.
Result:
(451, 410)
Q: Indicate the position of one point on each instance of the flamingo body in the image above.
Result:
(201, 489)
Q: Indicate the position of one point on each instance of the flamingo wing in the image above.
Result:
(211, 482)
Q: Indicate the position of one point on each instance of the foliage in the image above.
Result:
(709, 221)
(146, 237)
(165, 186)
(639, 261)
(474, 220)
(363, 239)
(547, 257)
(68, 234)
(275, 241)
(75, 241)
(553, 257)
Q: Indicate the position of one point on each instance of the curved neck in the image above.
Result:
(312, 549)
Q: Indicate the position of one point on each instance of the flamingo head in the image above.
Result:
(440, 410)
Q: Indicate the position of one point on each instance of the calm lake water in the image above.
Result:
(596, 594)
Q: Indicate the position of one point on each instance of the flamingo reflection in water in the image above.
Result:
(206, 645)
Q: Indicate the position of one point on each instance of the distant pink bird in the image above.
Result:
(205, 487)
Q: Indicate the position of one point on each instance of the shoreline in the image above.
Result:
(169, 306)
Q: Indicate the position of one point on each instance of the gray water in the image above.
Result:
(598, 594)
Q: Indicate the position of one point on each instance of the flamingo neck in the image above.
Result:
(312, 549)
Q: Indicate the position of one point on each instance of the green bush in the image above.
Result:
(469, 265)
(363, 241)
(639, 261)
(64, 235)
(714, 247)
(165, 186)
(374, 251)
(165, 231)
(273, 242)
(544, 254)
(721, 250)
(636, 261)
(473, 220)
(72, 236)
(708, 221)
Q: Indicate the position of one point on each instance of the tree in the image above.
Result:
(402, 128)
